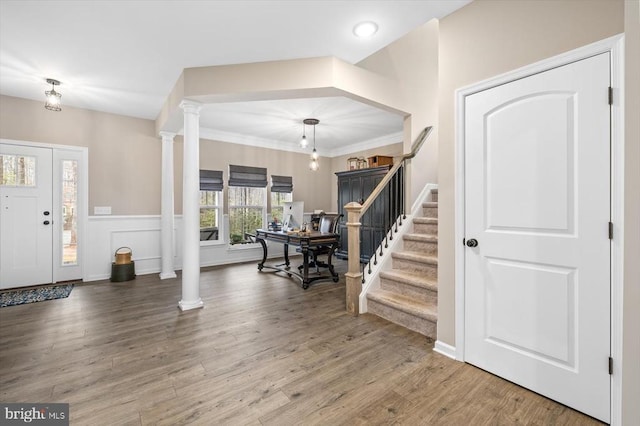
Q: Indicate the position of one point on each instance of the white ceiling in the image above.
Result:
(124, 57)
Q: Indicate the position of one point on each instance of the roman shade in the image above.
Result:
(255, 177)
(211, 180)
(281, 183)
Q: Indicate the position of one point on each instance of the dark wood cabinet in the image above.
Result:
(356, 185)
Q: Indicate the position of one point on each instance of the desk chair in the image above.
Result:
(328, 223)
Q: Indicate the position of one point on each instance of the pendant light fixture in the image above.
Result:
(313, 165)
(53, 97)
(304, 142)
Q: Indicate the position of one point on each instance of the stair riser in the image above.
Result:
(425, 247)
(434, 197)
(425, 228)
(429, 270)
(430, 211)
(417, 324)
(416, 293)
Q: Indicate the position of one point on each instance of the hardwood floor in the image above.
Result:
(261, 351)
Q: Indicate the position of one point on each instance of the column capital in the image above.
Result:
(190, 107)
(167, 135)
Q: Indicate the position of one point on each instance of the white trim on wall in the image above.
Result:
(444, 349)
(142, 234)
(615, 46)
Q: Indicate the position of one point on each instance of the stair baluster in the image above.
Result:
(393, 185)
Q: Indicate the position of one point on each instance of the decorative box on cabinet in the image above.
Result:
(357, 185)
(380, 160)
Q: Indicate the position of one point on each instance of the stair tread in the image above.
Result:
(415, 256)
(416, 279)
(428, 311)
(430, 238)
(425, 220)
(430, 204)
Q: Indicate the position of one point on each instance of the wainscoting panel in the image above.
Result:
(105, 234)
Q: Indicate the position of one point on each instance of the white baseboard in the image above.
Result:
(445, 349)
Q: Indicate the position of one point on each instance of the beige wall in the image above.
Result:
(482, 40)
(124, 154)
(310, 187)
(631, 329)
(413, 61)
(339, 164)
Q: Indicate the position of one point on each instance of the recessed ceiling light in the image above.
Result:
(365, 29)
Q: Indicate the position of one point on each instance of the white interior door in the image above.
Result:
(26, 216)
(537, 285)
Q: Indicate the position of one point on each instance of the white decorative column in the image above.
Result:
(167, 224)
(191, 208)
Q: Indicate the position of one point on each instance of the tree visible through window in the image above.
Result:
(209, 215)
(247, 201)
(277, 204)
(70, 212)
(17, 170)
(210, 204)
(246, 211)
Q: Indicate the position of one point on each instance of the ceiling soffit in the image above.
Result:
(279, 80)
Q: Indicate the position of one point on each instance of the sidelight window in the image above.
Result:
(70, 212)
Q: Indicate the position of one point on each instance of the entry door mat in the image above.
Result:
(34, 294)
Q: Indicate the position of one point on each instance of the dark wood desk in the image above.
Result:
(304, 241)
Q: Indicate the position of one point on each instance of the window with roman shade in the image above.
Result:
(251, 177)
(281, 192)
(211, 180)
(281, 183)
(211, 185)
(247, 201)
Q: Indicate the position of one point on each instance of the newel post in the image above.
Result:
(353, 276)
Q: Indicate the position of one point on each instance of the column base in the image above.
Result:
(167, 275)
(187, 306)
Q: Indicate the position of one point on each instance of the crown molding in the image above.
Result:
(368, 144)
(240, 139)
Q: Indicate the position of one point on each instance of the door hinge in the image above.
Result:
(610, 95)
(611, 230)
(610, 365)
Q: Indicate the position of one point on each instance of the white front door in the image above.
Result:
(26, 216)
(537, 185)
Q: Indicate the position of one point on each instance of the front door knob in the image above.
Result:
(472, 242)
(46, 222)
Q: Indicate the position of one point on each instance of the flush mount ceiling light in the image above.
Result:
(365, 29)
(313, 165)
(53, 97)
